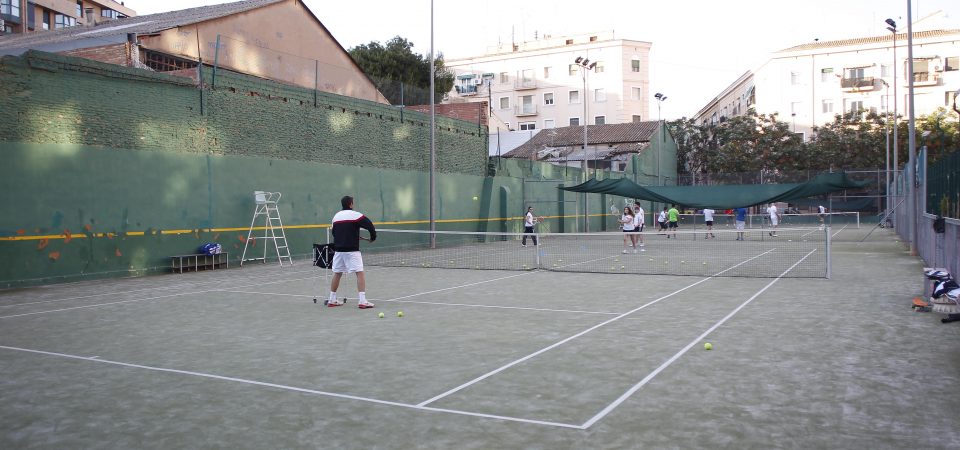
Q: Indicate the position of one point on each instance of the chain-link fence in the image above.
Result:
(943, 187)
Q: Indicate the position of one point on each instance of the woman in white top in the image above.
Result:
(708, 219)
(638, 223)
(626, 223)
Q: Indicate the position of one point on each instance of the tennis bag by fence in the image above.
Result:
(943, 287)
(323, 255)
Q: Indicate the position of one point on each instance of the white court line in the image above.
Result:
(838, 231)
(676, 356)
(118, 292)
(292, 388)
(144, 299)
(557, 344)
(438, 303)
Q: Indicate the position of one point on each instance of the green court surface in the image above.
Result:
(244, 358)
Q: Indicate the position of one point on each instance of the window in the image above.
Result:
(949, 98)
(7, 29)
(504, 102)
(10, 8)
(854, 106)
(46, 19)
(79, 8)
(825, 74)
(599, 68)
(574, 121)
(546, 72)
(89, 13)
(599, 95)
(855, 73)
(635, 93)
(526, 105)
(635, 65)
(886, 70)
(109, 13)
(569, 42)
(548, 98)
(794, 78)
(951, 63)
(637, 118)
(507, 124)
(549, 123)
(504, 77)
(526, 76)
(827, 106)
(528, 125)
(572, 69)
(62, 21)
(574, 97)
(794, 107)
(600, 120)
(593, 39)
(921, 70)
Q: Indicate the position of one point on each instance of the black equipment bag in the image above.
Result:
(323, 255)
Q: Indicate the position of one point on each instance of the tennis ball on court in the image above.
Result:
(380, 315)
(651, 259)
(683, 262)
(399, 313)
(623, 267)
(708, 346)
(704, 263)
(476, 198)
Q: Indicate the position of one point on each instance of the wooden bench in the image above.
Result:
(199, 261)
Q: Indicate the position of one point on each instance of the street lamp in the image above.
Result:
(893, 29)
(585, 66)
(886, 129)
(660, 99)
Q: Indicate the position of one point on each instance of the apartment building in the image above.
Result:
(19, 16)
(808, 85)
(558, 81)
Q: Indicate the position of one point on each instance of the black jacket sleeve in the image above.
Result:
(366, 224)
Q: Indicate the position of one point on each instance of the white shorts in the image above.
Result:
(347, 262)
(740, 224)
(774, 220)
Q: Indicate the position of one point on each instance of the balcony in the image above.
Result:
(466, 90)
(525, 83)
(858, 84)
(926, 79)
(526, 110)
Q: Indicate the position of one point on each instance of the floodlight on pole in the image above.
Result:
(585, 66)
(660, 99)
(896, 164)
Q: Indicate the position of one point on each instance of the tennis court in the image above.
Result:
(244, 358)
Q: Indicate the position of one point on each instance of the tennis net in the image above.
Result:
(750, 253)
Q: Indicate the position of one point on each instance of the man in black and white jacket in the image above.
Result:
(346, 243)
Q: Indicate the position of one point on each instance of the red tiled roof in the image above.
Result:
(613, 134)
(869, 40)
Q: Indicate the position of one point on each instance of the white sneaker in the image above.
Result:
(624, 251)
(643, 249)
(641, 244)
(365, 305)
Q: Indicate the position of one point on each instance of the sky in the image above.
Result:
(699, 46)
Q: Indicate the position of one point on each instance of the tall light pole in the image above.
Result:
(912, 141)
(886, 128)
(433, 138)
(660, 99)
(896, 165)
(585, 66)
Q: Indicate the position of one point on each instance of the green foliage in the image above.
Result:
(761, 143)
(401, 75)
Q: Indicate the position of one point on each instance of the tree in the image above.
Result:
(401, 75)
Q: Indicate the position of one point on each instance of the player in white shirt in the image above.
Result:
(638, 223)
(708, 219)
(821, 214)
(774, 219)
(529, 221)
(626, 223)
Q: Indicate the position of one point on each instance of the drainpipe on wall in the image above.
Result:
(24, 25)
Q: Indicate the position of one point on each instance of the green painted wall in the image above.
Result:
(108, 171)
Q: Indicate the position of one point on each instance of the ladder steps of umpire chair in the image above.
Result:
(266, 205)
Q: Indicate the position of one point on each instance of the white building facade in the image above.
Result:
(807, 85)
(538, 85)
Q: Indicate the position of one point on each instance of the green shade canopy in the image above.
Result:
(722, 196)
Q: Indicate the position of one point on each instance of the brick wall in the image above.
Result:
(110, 54)
(66, 100)
(470, 112)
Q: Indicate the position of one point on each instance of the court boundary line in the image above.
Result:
(97, 359)
(636, 387)
(81, 297)
(142, 299)
(471, 305)
(570, 338)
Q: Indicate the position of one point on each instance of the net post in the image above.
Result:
(858, 218)
(536, 247)
(829, 254)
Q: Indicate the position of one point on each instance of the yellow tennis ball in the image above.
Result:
(476, 198)
(708, 346)
(399, 313)
(380, 315)
(623, 267)
(704, 263)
